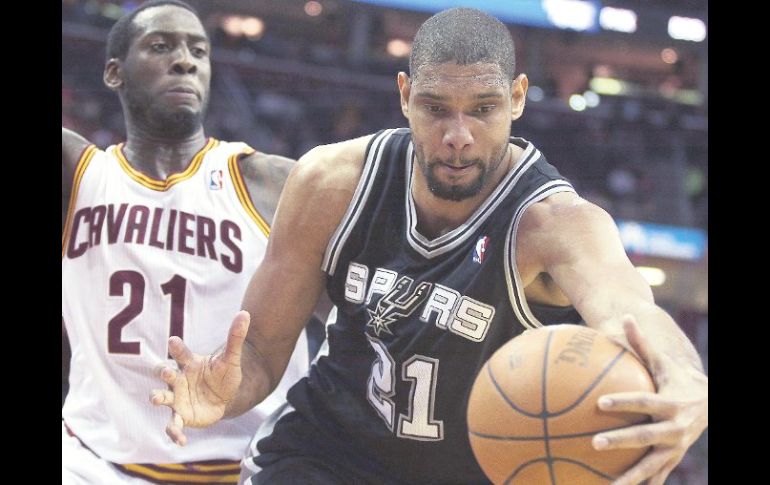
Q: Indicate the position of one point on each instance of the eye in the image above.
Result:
(432, 108)
(159, 47)
(485, 109)
(198, 51)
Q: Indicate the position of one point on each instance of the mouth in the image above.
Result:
(458, 167)
(184, 91)
(455, 172)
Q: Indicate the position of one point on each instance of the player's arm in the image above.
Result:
(72, 146)
(279, 298)
(288, 283)
(578, 245)
(265, 176)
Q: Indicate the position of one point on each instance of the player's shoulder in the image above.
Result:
(563, 212)
(72, 146)
(563, 227)
(260, 159)
(336, 165)
(260, 167)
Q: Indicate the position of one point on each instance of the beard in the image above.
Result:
(163, 121)
(458, 192)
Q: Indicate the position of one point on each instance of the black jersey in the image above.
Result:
(417, 319)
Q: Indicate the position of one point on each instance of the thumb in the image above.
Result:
(636, 340)
(235, 337)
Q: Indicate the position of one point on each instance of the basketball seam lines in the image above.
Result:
(505, 397)
(565, 410)
(537, 438)
(593, 384)
(568, 460)
(544, 414)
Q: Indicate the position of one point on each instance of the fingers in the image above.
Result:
(168, 375)
(660, 477)
(179, 351)
(653, 464)
(174, 430)
(238, 331)
(162, 397)
(639, 402)
(663, 433)
(176, 382)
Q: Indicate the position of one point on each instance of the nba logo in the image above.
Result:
(481, 249)
(215, 180)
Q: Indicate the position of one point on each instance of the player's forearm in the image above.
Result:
(278, 314)
(661, 331)
(256, 382)
(670, 338)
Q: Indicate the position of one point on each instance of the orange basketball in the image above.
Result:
(533, 408)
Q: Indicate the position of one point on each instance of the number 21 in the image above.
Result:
(422, 371)
(175, 287)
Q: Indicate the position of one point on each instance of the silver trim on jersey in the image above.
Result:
(365, 184)
(265, 429)
(512, 277)
(449, 241)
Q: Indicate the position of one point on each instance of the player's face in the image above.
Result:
(460, 118)
(167, 72)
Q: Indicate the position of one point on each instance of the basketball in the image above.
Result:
(533, 411)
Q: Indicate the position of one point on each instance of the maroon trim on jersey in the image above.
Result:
(205, 472)
(72, 433)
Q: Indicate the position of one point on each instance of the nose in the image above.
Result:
(457, 134)
(183, 62)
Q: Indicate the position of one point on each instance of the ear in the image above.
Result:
(111, 75)
(404, 87)
(518, 95)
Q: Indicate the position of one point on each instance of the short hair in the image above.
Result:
(465, 36)
(122, 32)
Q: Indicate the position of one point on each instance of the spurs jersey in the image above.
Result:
(417, 319)
(144, 259)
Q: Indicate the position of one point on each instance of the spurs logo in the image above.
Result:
(397, 303)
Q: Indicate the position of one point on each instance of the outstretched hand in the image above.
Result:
(201, 389)
(679, 412)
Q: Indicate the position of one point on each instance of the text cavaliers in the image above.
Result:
(167, 229)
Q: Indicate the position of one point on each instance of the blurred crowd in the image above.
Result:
(639, 158)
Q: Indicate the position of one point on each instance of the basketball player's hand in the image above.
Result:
(200, 390)
(679, 412)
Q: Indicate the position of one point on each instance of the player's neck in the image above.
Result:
(437, 216)
(160, 157)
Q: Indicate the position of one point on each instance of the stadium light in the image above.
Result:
(607, 85)
(571, 14)
(617, 19)
(686, 28)
(577, 102)
(654, 276)
(669, 55)
(313, 8)
(399, 48)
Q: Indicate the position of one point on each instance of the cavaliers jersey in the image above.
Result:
(417, 319)
(144, 259)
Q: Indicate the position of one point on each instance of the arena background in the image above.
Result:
(618, 102)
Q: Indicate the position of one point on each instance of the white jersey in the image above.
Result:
(143, 259)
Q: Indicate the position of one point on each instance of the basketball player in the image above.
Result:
(438, 244)
(161, 236)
